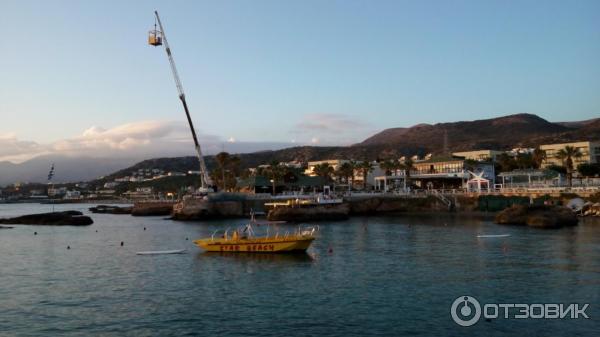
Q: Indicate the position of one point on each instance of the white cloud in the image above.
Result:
(144, 139)
(13, 149)
(332, 129)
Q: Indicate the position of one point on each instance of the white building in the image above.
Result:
(590, 153)
(478, 155)
(73, 195)
(111, 184)
(371, 175)
(335, 163)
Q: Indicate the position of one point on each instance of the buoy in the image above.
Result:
(96, 231)
(330, 250)
(121, 243)
(186, 238)
(68, 247)
(34, 233)
(144, 228)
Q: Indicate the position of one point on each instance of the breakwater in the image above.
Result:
(236, 205)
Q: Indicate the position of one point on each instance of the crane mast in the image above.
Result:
(204, 178)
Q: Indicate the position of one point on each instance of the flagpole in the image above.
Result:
(50, 176)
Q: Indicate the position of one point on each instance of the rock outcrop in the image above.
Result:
(111, 209)
(375, 204)
(150, 208)
(199, 209)
(311, 213)
(67, 218)
(537, 216)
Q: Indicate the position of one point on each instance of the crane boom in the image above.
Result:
(204, 178)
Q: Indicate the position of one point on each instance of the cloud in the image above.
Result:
(123, 137)
(13, 149)
(144, 139)
(331, 129)
(329, 122)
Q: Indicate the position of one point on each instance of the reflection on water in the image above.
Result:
(243, 256)
(366, 276)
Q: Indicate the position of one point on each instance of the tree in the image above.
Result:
(524, 161)
(228, 167)
(557, 168)
(588, 170)
(388, 166)
(355, 166)
(538, 157)
(346, 171)
(324, 170)
(276, 172)
(365, 168)
(222, 159)
(505, 163)
(567, 155)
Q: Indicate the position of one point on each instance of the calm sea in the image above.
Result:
(385, 276)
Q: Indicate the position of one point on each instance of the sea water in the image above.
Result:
(368, 276)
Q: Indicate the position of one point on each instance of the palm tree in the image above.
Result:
(355, 167)
(346, 171)
(539, 156)
(365, 167)
(407, 166)
(222, 159)
(566, 155)
(388, 166)
(276, 172)
(324, 170)
(234, 169)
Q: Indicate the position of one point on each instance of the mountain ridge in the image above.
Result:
(501, 133)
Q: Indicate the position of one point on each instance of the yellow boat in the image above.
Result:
(244, 240)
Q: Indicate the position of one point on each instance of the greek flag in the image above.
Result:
(51, 173)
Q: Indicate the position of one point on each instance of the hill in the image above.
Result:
(503, 133)
(497, 133)
(67, 169)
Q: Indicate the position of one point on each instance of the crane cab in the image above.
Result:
(154, 38)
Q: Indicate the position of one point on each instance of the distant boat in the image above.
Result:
(493, 235)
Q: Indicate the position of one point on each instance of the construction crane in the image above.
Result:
(157, 37)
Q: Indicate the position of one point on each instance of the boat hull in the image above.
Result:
(256, 246)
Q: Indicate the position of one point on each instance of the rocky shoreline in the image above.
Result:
(152, 208)
(541, 216)
(235, 205)
(312, 213)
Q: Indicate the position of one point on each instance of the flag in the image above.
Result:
(51, 173)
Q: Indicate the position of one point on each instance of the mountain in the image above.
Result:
(503, 133)
(67, 169)
(496, 133)
(579, 124)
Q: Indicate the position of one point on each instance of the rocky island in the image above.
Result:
(66, 218)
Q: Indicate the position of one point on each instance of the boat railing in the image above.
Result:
(307, 230)
(212, 237)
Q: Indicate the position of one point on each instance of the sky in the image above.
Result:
(78, 77)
